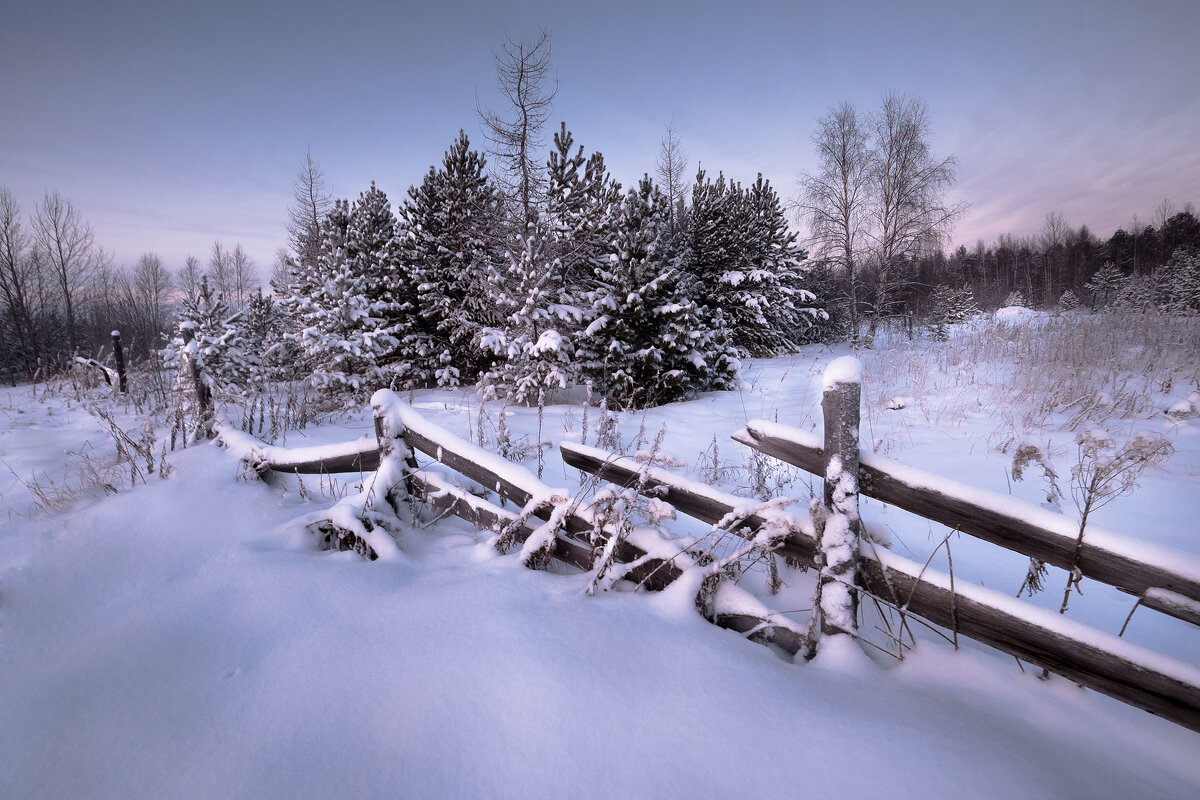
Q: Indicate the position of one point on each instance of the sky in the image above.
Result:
(173, 125)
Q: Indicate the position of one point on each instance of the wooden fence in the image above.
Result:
(1167, 582)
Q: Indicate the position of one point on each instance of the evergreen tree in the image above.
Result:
(1180, 284)
(446, 247)
(342, 332)
(581, 199)
(1105, 283)
(648, 343)
(263, 325)
(746, 263)
(220, 351)
(535, 356)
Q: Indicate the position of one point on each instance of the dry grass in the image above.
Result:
(1069, 371)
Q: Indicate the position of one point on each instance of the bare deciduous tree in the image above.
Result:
(1053, 240)
(244, 277)
(671, 166)
(188, 277)
(152, 286)
(311, 201)
(18, 282)
(834, 199)
(522, 71)
(66, 242)
(220, 269)
(281, 270)
(910, 210)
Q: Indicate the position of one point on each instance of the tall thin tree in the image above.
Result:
(522, 77)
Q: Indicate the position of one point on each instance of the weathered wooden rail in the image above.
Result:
(1005, 521)
(572, 545)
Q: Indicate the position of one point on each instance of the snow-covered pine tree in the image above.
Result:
(371, 253)
(940, 303)
(581, 199)
(535, 356)
(263, 325)
(1179, 285)
(219, 346)
(446, 242)
(746, 263)
(341, 333)
(647, 342)
(1105, 284)
(777, 272)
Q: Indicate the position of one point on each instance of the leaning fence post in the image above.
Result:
(838, 557)
(119, 354)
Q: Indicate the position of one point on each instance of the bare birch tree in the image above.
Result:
(66, 242)
(220, 269)
(244, 276)
(834, 200)
(910, 211)
(188, 277)
(152, 286)
(522, 75)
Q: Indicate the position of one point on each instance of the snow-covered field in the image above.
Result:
(183, 638)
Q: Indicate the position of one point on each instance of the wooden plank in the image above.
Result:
(366, 460)
(709, 507)
(1093, 659)
(1014, 531)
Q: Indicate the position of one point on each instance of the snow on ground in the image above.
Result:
(183, 638)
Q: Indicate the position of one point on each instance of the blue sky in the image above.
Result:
(173, 124)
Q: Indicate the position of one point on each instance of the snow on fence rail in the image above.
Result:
(577, 538)
(1110, 665)
(1160, 578)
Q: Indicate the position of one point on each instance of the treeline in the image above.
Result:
(1144, 266)
(62, 295)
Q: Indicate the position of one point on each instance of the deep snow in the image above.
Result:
(184, 639)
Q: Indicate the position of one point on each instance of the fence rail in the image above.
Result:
(1133, 567)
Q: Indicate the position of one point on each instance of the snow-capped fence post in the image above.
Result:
(119, 355)
(389, 432)
(837, 593)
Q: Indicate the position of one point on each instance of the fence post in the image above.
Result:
(837, 593)
(119, 354)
